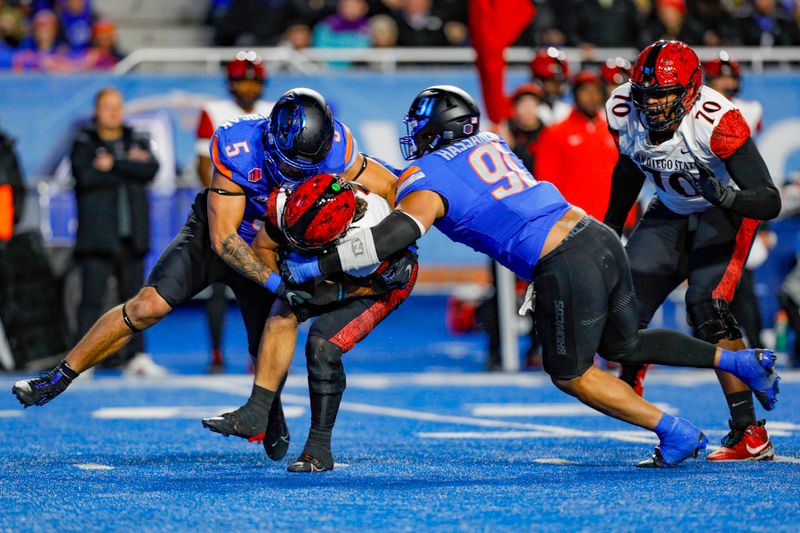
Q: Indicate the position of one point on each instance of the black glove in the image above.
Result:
(321, 293)
(711, 188)
(398, 271)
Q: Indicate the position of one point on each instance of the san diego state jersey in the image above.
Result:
(377, 209)
(494, 205)
(711, 131)
(237, 151)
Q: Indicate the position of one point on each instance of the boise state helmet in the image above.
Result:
(298, 137)
(318, 213)
(663, 69)
(438, 116)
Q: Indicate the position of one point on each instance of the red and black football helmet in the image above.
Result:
(724, 65)
(318, 212)
(663, 69)
(550, 64)
(615, 71)
(246, 66)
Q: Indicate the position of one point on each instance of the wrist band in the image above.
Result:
(273, 282)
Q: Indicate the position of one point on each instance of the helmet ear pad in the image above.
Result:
(318, 213)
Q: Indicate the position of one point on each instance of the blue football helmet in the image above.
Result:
(438, 116)
(298, 137)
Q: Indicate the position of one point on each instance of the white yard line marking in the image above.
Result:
(543, 409)
(409, 414)
(625, 436)
(555, 461)
(500, 435)
(786, 459)
(8, 413)
(93, 466)
(161, 413)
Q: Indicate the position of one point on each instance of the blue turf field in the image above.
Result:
(423, 441)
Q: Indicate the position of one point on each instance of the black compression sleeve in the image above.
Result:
(395, 232)
(626, 183)
(758, 197)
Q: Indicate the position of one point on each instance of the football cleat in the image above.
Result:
(750, 443)
(39, 391)
(276, 438)
(239, 423)
(308, 463)
(683, 442)
(756, 368)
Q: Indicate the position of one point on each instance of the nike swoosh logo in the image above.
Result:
(737, 404)
(757, 449)
(283, 438)
(685, 151)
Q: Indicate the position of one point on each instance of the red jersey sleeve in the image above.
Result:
(205, 129)
(730, 134)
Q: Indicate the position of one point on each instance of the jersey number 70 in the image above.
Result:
(493, 164)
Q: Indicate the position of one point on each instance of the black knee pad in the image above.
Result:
(713, 321)
(324, 364)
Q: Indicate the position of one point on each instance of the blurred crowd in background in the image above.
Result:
(73, 35)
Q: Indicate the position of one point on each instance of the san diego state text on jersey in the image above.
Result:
(237, 150)
(711, 131)
(494, 205)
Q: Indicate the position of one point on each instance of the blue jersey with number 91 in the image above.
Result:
(494, 205)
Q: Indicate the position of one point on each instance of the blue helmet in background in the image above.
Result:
(298, 137)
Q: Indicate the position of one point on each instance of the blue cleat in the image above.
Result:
(682, 441)
(756, 369)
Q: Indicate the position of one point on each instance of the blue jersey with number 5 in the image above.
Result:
(237, 152)
(494, 205)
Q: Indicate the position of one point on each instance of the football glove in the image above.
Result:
(710, 188)
(296, 269)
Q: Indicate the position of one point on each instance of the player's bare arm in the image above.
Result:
(225, 213)
(204, 167)
(411, 219)
(374, 176)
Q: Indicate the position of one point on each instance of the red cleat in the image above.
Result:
(633, 375)
(749, 444)
(638, 386)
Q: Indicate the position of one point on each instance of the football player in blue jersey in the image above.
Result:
(317, 215)
(252, 156)
(471, 186)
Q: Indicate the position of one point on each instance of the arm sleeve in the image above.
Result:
(373, 245)
(626, 183)
(86, 176)
(758, 197)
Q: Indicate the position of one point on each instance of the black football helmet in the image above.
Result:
(298, 137)
(438, 116)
